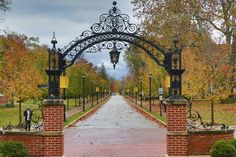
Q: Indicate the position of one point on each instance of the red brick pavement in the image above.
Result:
(112, 142)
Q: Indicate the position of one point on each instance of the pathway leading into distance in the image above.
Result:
(115, 130)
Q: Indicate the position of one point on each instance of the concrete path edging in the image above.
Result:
(86, 114)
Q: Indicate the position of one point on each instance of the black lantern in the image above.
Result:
(114, 55)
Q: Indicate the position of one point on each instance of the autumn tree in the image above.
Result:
(40, 57)
(193, 21)
(98, 76)
(19, 76)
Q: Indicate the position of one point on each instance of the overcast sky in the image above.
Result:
(68, 18)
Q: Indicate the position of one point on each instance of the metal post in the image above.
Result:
(64, 97)
(97, 98)
(64, 113)
(101, 93)
(68, 104)
(212, 111)
(20, 117)
(160, 107)
(132, 94)
(75, 102)
(150, 92)
(136, 94)
(161, 92)
(92, 92)
(141, 92)
(83, 76)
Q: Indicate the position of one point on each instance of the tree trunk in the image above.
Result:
(233, 63)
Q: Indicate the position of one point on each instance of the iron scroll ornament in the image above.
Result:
(115, 27)
(195, 120)
(112, 26)
(37, 122)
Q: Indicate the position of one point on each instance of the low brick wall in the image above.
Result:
(200, 142)
(33, 140)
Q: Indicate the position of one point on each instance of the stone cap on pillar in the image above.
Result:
(175, 100)
(53, 102)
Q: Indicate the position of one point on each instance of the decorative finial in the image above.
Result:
(114, 3)
(175, 41)
(54, 40)
(54, 35)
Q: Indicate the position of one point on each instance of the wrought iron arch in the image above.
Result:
(113, 28)
(109, 37)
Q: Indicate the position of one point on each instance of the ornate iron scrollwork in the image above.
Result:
(113, 27)
(114, 22)
(108, 45)
(36, 122)
(195, 121)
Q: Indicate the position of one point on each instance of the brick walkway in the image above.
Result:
(116, 130)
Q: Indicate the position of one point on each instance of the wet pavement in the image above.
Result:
(115, 130)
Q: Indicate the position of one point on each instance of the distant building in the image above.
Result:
(3, 99)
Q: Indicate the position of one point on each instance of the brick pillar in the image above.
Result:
(53, 110)
(176, 126)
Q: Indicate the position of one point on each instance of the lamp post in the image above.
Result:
(132, 94)
(161, 92)
(212, 92)
(136, 94)
(101, 92)
(150, 92)
(97, 91)
(83, 76)
(141, 92)
(105, 93)
(20, 117)
(92, 91)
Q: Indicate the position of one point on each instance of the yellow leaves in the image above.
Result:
(19, 74)
(195, 77)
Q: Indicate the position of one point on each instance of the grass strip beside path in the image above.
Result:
(79, 115)
(161, 119)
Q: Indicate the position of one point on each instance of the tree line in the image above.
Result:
(206, 31)
(22, 68)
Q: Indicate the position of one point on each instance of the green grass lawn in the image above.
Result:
(75, 103)
(11, 114)
(157, 115)
(223, 113)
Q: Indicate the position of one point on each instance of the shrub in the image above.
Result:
(233, 142)
(228, 100)
(9, 105)
(223, 149)
(13, 149)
